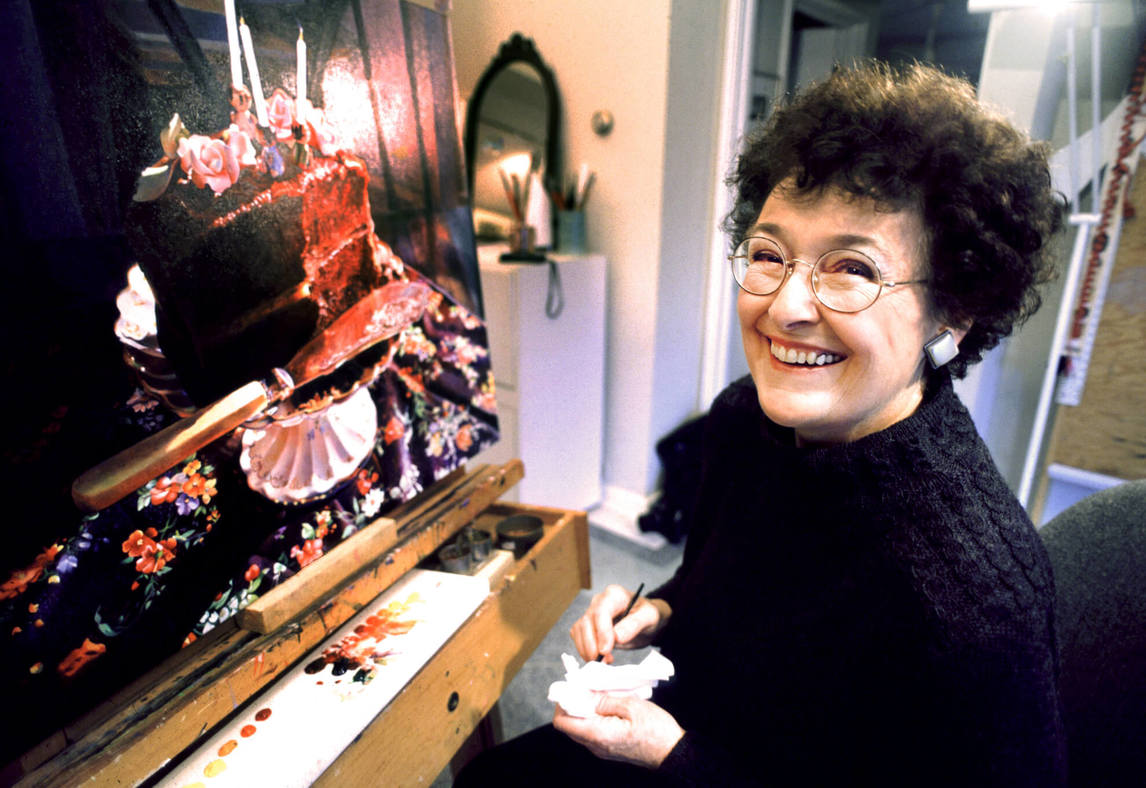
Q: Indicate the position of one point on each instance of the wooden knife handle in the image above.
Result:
(136, 465)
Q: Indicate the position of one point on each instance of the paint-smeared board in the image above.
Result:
(128, 738)
(295, 730)
(1106, 432)
(415, 737)
(447, 510)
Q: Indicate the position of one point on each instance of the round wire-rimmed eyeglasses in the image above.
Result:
(844, 280)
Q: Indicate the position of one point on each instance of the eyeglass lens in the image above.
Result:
(843, 280)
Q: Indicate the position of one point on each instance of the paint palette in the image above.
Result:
(292, 732)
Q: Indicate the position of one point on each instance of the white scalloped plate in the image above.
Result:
(297, 459)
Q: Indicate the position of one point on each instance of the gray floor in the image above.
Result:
(524, 704)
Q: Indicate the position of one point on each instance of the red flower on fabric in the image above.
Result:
(365, 481)
(394, 430)
(412, 380)
(323, 521)
(79, 657)
(194, 486)
(464, 438)
(155, 556)
(252, 572)
(164, 491)
(18, 582)
(136, 543)
(306, 554)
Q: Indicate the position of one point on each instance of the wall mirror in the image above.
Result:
(512, 124)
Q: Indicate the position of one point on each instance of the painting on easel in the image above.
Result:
(214, 190)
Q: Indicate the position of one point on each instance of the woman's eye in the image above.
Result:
(766, 256)
(848, 265)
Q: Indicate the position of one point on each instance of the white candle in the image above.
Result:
(253, 67)
(300, 77)
(233, 43)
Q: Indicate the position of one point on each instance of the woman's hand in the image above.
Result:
(626, 729)
(597, 633)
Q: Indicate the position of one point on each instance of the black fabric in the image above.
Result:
(547, 757)
(1098, 549)
(873, 612)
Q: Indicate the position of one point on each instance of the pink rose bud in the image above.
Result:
(280, 113)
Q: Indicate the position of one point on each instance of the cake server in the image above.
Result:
(380, 314)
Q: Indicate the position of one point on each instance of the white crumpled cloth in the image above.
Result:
(583, 685)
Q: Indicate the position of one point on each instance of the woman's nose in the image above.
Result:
(795, 301)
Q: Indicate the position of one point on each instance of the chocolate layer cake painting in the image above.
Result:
(295, 173)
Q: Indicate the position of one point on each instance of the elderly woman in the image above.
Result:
(862, 600)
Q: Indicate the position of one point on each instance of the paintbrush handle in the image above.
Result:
(632, 601)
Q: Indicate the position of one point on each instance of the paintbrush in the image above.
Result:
(509, 195)
(628, 609)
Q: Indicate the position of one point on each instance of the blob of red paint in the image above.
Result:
(262, 715)
(247, 730)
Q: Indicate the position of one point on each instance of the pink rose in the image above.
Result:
(280, 113)
(321, 135)
(209, 162)
(240, 144)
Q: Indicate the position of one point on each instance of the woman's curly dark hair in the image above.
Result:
(913, 135)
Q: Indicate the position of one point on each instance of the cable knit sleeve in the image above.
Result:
(699, 760)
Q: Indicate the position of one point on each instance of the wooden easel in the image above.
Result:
(131, 736)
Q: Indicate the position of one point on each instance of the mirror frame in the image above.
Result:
(518, 49)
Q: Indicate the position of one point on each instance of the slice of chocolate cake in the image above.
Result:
(244, 276)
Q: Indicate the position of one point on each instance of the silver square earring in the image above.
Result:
(941, 349)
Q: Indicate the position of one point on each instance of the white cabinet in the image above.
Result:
(550, 374)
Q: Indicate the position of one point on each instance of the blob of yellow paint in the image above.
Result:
(215, 767)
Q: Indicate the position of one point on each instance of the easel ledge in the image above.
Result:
(129, 737)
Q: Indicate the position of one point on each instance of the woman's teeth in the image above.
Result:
(808, 358)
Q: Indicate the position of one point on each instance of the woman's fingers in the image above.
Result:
(642, 618)
(593, 633)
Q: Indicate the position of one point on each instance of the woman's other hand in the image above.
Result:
(598, 632)
(625, 729)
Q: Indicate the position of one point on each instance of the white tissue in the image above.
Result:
(583, 684)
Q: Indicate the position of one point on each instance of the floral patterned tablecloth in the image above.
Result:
(124, 588)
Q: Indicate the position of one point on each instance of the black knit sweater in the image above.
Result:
(877, 612)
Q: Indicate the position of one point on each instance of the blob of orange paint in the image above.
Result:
(247, 730)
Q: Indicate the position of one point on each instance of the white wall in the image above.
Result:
(649, 205)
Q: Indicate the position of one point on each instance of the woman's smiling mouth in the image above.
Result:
(807, 358)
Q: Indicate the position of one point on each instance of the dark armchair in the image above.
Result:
(1098, 550)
